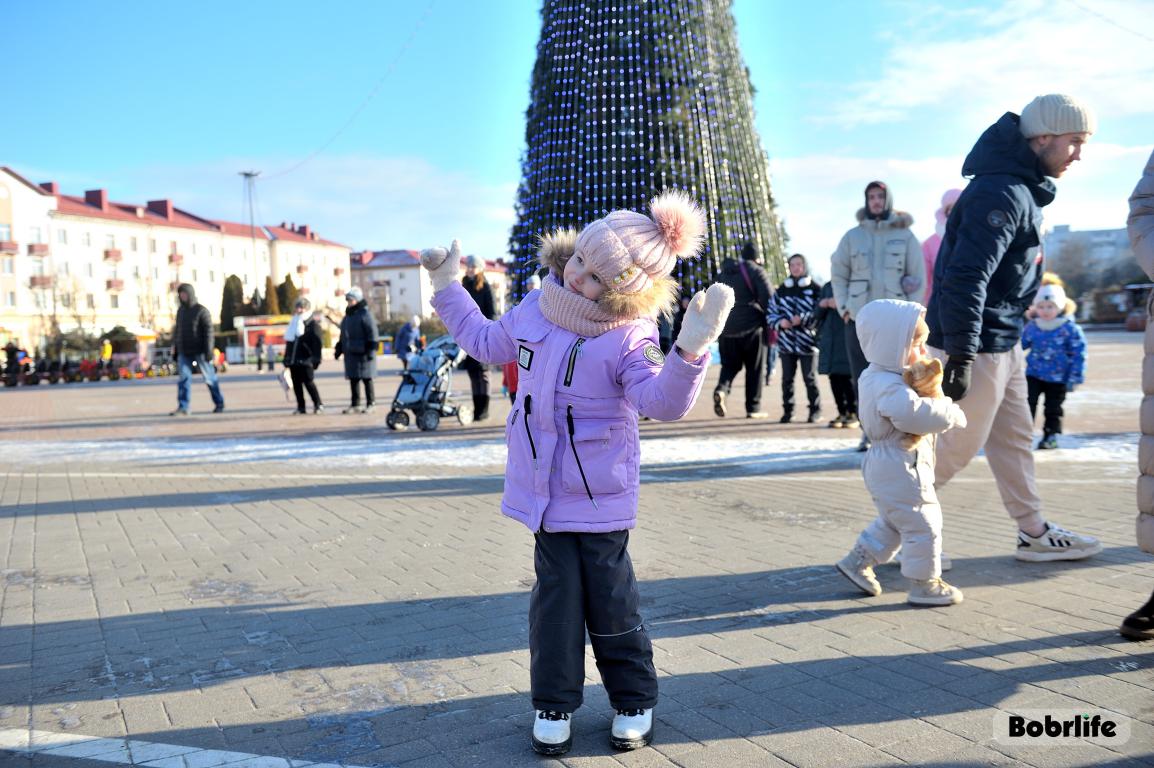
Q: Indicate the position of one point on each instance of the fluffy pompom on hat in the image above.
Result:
(355, 293)
(1056, 114)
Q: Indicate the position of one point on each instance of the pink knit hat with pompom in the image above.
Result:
(627, 250)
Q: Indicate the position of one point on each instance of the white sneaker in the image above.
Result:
(551, 734)
(858, 567)
(1056, 544)
(947, 563)
(632, 728)
(933, 592)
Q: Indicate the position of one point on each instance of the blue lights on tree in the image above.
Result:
(632, 97)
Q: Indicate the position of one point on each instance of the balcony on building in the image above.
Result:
(38, 249)
(174, 286)
(40, 281)
(305, 291)
(112, 254)
(339, 293)
(175, 259)
(114, 284)
(302, 268)
(8, 246)
(338, 271)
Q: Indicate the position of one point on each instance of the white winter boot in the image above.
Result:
(858, 567)
(632, 729)
(551, 734)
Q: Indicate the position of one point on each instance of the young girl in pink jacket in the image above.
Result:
(589, 363)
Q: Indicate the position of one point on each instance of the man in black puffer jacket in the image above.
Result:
(988, 270)
(742, 339)
(192, 339)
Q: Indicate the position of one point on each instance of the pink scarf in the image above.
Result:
(574, 312)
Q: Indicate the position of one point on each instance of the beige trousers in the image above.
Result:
(998, 420)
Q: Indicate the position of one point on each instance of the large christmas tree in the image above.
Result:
(631, 97)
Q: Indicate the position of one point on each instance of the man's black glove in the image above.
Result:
(956, 376)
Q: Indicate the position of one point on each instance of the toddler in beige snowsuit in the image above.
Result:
(900, 479)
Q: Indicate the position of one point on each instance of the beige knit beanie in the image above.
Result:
(1055, 114)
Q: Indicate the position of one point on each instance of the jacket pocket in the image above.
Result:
(598, 454)
(520, 470)
(859, 265)
(895, 268)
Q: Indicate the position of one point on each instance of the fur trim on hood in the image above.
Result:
(556, 249)
(659, 298)
(896, 220)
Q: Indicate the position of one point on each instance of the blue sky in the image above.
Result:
(419, 106)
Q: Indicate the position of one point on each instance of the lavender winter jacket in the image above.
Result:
(574, 451)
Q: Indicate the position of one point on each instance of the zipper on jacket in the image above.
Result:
(572, 361)
(573, 446)
(528, 432)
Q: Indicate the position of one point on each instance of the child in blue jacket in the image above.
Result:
(1055, 361)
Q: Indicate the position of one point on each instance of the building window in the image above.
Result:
(156, 273)
(62, 236)
(136, 272)
(88, 270)
(110, 241)
(34, 235)
(132, 244)
(9, 265)
(65, 300)
(114, 301)
(38, 267)
(5, 232)
(211, 276)
(194, 275)
(151, 246)
(10, 299)
(87, 239)
(91, 301)
(65, 268)
(193, 249)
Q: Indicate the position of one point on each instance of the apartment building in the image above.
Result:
(397, 288)
(88, 263)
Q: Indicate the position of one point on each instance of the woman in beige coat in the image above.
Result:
(1140, 624)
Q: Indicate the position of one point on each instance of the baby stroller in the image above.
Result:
(425, 387)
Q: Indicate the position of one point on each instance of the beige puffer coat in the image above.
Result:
(1141, 225)
(872, 259)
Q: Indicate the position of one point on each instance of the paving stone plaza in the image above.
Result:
(259, 589)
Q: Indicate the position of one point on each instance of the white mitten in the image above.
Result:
(704, 319)
(443, 266)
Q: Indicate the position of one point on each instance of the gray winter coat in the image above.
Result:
(358, 343)
(1141, 225)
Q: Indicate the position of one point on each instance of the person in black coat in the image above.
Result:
(988, 270)
(833, 358)
(742, 341)
(478, 287)
(358, 344)
(192, 342)
(302, 354)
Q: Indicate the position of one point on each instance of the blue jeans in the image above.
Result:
(184, 381)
